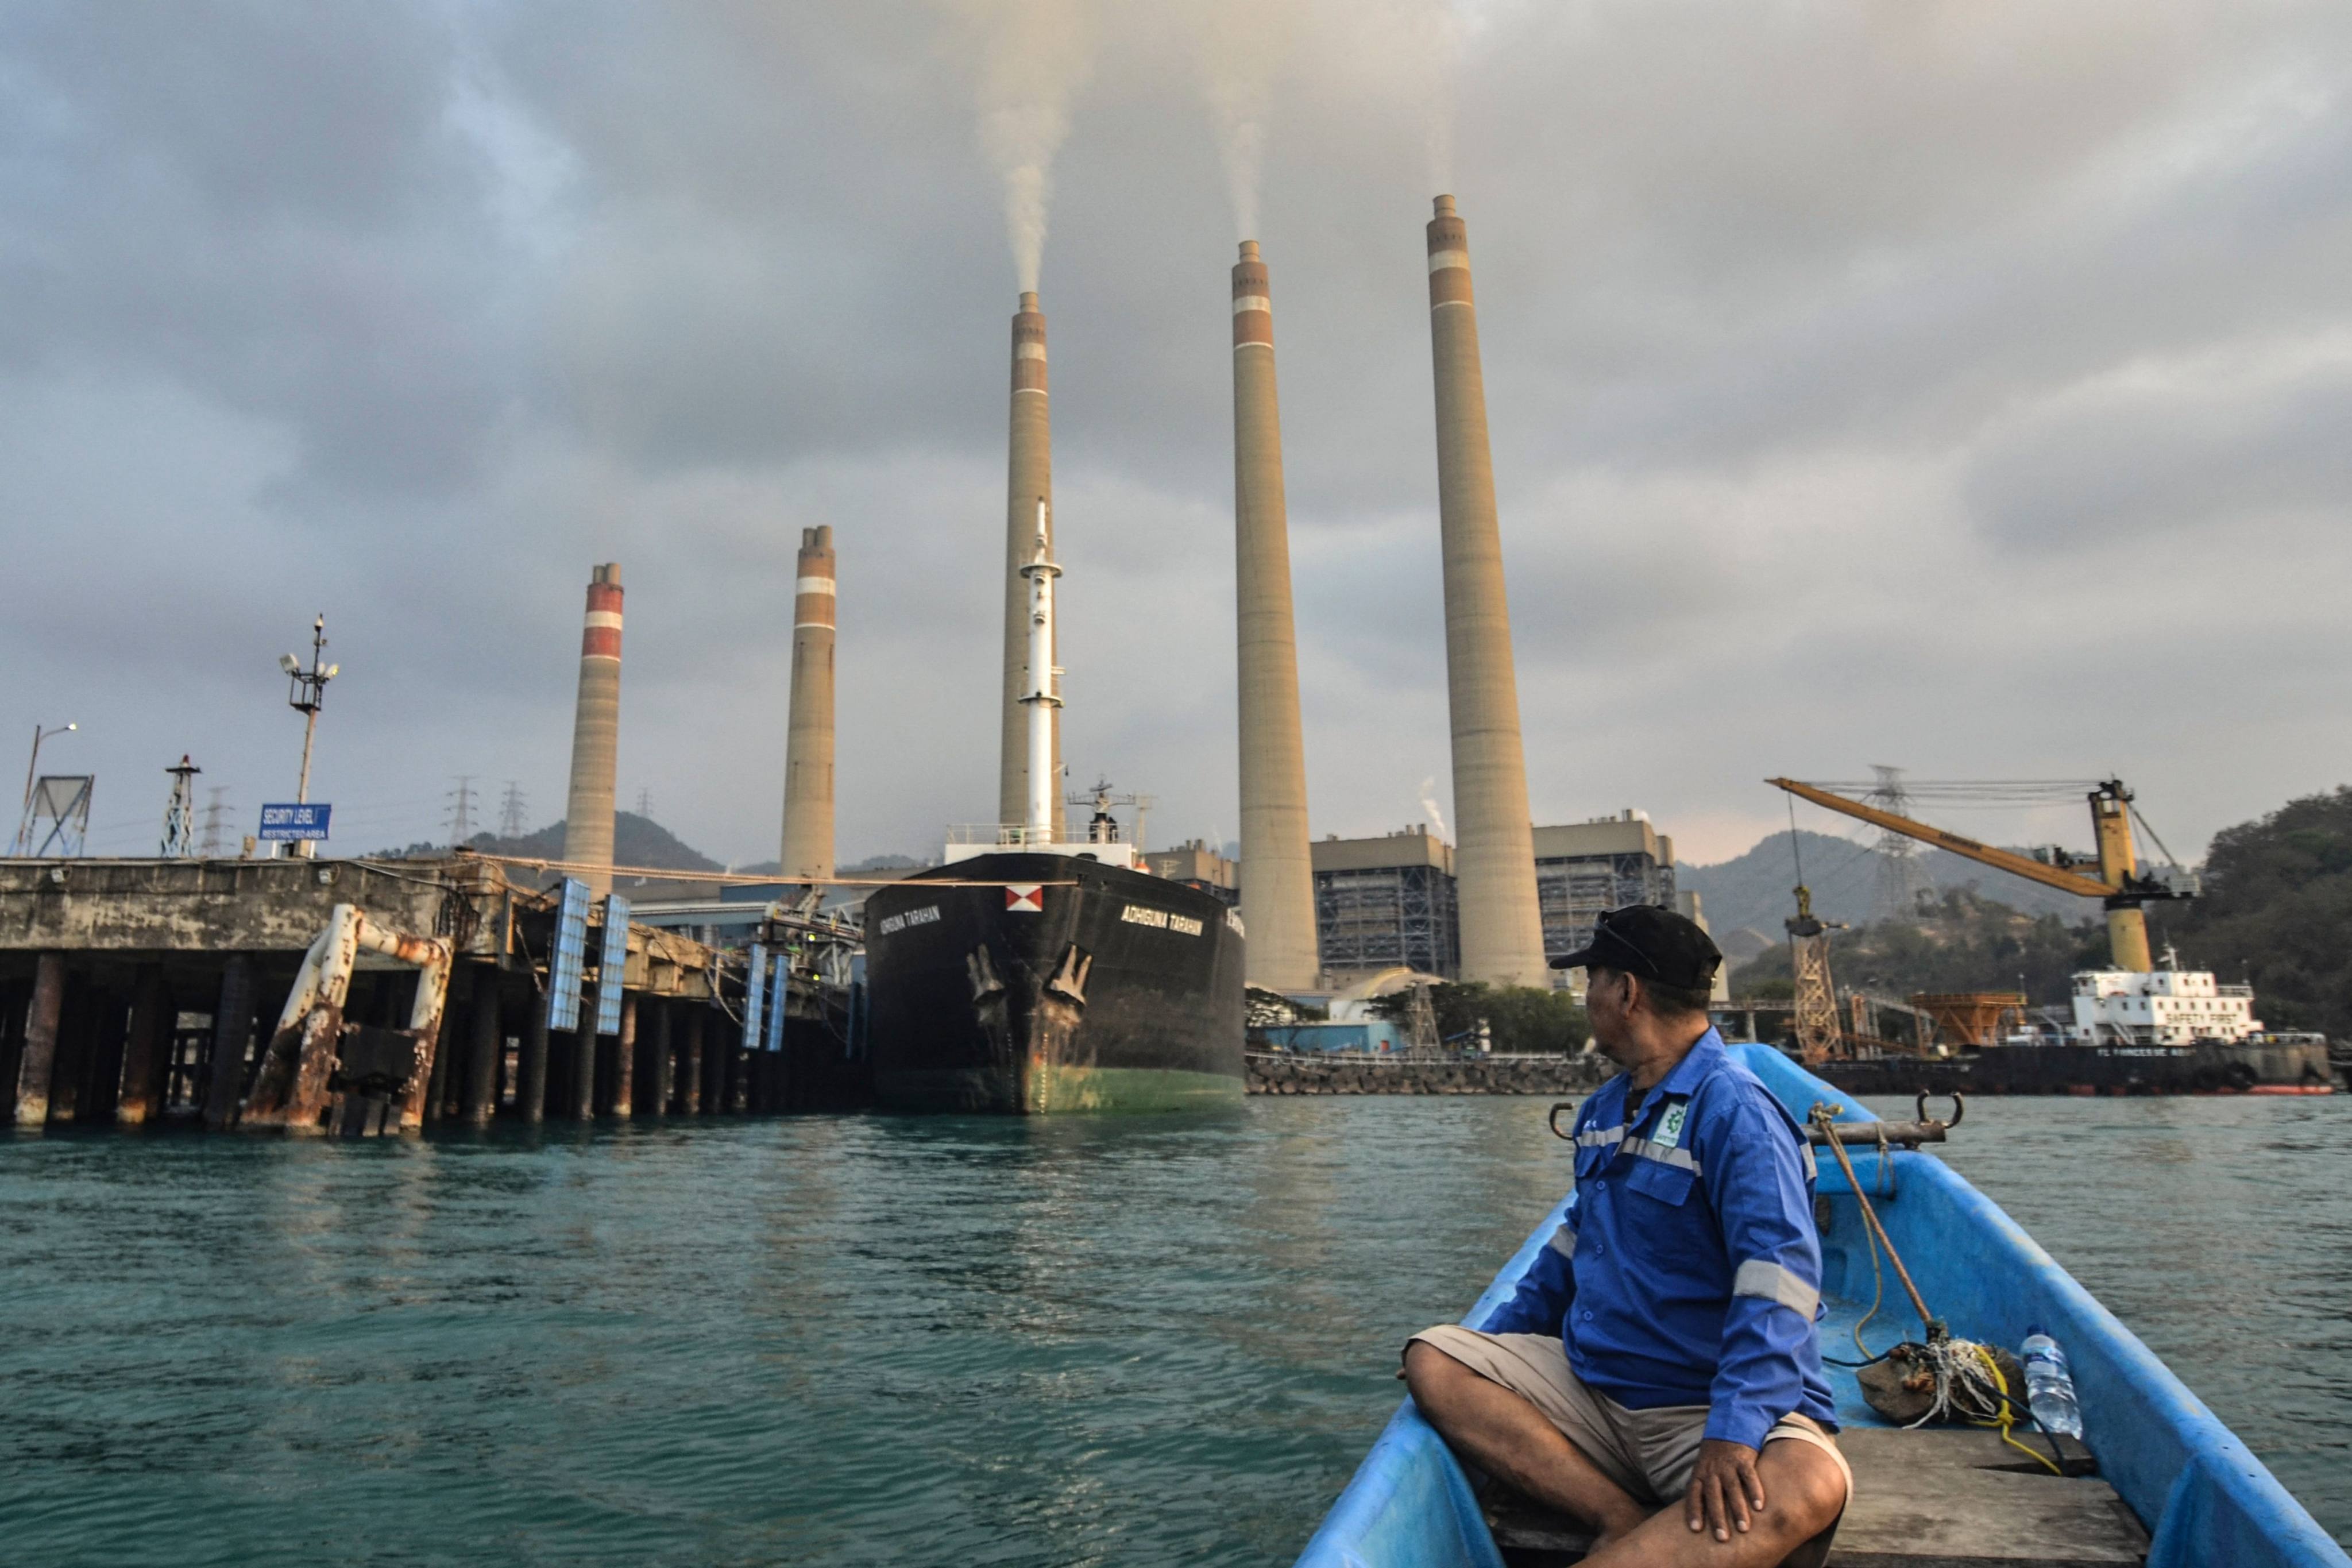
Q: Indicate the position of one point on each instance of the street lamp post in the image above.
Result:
(306, 693)
(25, 822)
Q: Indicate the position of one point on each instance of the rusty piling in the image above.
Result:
(232, 1029)
(693, 1075)
(624, 1059)
(531, 1096)
(482, 1051)
(146, 1050)
(39, 1060)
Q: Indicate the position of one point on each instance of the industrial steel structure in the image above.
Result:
(1584, 868)
(1384, 902)
(1502, 929)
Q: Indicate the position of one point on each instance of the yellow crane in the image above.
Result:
(2121, 885)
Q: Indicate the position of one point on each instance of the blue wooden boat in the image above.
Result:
(2201, 1496)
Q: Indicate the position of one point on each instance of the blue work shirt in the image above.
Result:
(1688, 1270)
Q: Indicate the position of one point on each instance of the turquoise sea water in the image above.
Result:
(869, 1340)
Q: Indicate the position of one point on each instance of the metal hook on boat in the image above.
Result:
(1960, 1108)
(1552, 1120)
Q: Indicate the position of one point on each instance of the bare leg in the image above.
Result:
(1505, 1435)
(1803, 1493)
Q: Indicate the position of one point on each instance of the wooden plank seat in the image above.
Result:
(1944, 1498)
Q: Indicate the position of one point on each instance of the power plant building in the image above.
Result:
(1196, 865)
(1381, 902)
(1585, 867)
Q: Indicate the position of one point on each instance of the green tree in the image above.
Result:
(2277, 913)
(1521, 1020)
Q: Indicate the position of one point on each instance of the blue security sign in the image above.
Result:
(289, 823)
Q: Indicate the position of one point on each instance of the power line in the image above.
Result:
(510, 812)
(215, 841)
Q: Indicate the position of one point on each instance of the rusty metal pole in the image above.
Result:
(583, 1067)
(40, 1053)
(624, 1059)
(146, 1050)
(694, 1022)
(444, 1046)
(482, 1052)
(531, 1095)
(660, 1076)
(232, 1026)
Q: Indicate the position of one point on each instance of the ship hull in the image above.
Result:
(2212, 1067)
(1103, 990)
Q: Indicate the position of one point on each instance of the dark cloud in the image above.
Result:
(1955, 384)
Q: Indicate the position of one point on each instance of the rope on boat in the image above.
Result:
(1969, 1385)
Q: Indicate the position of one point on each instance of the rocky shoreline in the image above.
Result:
(1283, 1072)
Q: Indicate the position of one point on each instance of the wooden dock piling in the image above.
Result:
(694, 1085)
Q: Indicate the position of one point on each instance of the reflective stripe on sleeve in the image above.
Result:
(1774, 1283)
(1680, 1159)
(1805, 1151)
(1563, 1241)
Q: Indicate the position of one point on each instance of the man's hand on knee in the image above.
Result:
(1724, 1488)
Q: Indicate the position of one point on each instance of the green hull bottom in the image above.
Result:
(1055, 1091)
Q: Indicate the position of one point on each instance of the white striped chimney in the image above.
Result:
(596, 734)
(807, 851)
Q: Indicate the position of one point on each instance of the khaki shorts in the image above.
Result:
(1648, 1453)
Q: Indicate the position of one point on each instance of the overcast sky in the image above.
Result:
(1962, 386)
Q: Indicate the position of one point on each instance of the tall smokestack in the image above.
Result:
(1029, 478)
(1277, 879)
(596, 734)
(1502, 934)
(808, 743)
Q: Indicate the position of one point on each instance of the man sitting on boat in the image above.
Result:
(1662, 1347)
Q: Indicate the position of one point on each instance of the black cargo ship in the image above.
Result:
(2274, 1065)
(1031, 984)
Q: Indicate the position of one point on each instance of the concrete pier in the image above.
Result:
(103, 963)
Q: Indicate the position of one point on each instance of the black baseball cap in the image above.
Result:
(1655, 943)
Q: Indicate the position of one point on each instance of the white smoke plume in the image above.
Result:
(1033, 56)
(1429, 805)
(1241, 45)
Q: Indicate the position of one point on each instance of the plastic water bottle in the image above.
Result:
(2049, 1390)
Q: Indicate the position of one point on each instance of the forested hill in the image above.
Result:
(1753, 889)
(2277, 911)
